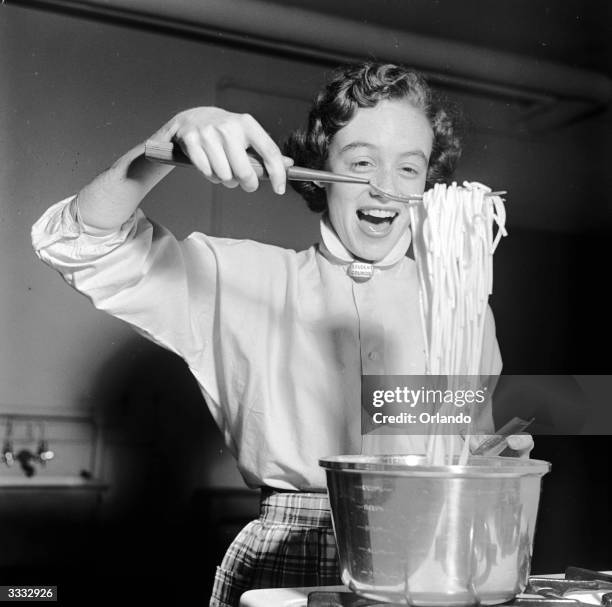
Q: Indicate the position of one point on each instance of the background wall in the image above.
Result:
(74, 95)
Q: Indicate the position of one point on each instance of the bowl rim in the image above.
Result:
(413, 465)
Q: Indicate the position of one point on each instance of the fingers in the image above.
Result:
(208, 155)
(268, 150)
(216, 142)
(192, 148)
(234, 150)
(219, 162)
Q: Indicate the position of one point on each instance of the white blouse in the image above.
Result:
(277, 339)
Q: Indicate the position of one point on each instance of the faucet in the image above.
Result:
(44, 454)
(26, 457)
(8, 456)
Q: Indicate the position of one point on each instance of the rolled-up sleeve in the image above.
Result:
(139, 273)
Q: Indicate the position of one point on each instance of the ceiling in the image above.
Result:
(577, 33)
(546, 63)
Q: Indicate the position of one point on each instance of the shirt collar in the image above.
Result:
(332, 248)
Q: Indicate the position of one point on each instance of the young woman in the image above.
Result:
(277, 339)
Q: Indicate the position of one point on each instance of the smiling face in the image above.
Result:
(390, 144)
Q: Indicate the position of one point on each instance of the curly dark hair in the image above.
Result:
(362, 86)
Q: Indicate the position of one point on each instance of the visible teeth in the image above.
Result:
(378, 213)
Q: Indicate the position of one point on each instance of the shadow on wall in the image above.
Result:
(161, 442)
(176, 498)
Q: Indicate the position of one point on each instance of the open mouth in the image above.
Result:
(376, 220)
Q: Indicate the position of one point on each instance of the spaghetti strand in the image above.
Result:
(456, 231)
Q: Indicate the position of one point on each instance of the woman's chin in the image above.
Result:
(373, 251)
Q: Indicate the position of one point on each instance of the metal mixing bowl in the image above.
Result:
(423, 535)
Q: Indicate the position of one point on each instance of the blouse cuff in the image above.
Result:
(62, 227)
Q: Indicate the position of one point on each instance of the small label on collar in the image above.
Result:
(360, 271)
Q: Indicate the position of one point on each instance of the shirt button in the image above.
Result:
(373, 355)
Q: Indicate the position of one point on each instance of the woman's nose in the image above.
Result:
(383, 179)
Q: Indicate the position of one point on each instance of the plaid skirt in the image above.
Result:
(292, 544)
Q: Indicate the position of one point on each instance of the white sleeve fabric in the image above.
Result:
(141, 274)
(114, 270)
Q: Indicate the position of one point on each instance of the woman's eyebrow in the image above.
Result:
(418, 153)
(358, 144)
(364, 144)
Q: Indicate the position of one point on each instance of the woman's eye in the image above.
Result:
(411, 171)
(361, 165)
